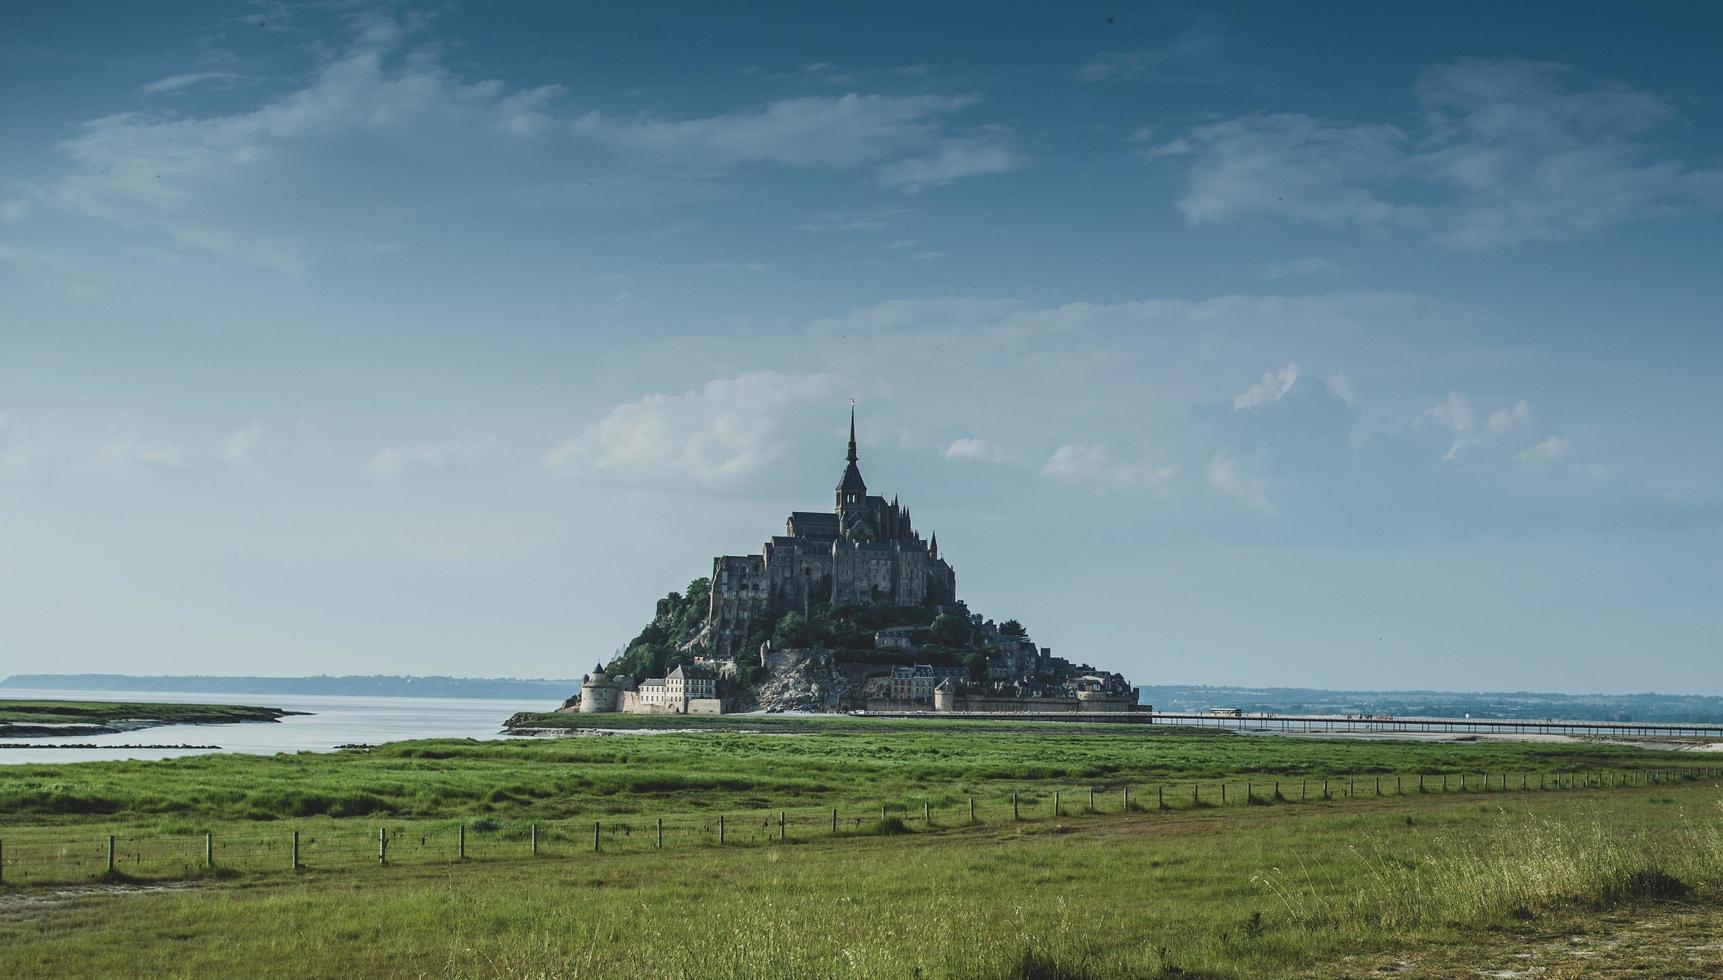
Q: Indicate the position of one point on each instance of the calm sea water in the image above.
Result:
(333, 720)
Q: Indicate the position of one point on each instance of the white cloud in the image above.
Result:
(175, 83)
(1339, 385)
(968, 448)
(430, 457)
(1272, 388)
(1289, 165)
(954, 159)
(1091, 465)
(394, 127)
(721, 433)
(1507, 152)
(1456, 413)
(905, 139)
(1547, 451)
(1508, 419)
(132, 455)
(1227, 475)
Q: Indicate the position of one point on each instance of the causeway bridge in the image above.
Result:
(1387, 724)
(1261, 722)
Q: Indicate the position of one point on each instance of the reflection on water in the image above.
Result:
(333, 720)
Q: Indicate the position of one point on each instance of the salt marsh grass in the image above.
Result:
(1517, 866)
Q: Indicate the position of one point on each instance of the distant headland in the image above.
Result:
(370, 685)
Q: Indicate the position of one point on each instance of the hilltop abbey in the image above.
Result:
(865, 551)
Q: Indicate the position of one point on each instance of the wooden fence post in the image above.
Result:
(1055, 804)
(1223, 793)
(597, 828)
(461, 844)
(1160, 797)
(1014, 806)
(720, 828)
(1420, 782)
(208, 850)
(296, 850)
(882, 813)
(532, 833)
(382, 845)
(834, 821)
(1091, 799)
(2, 862)
(1125, 800)
(1325, 789)
(780, 826)
(1378, 785)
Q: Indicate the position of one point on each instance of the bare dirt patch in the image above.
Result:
(1661, 940)
(18, 906)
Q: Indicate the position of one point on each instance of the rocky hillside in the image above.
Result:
(811, 683)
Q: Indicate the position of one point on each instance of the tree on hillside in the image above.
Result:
(1012, 627)
(949, 630)
(793, 632)
(677, 618)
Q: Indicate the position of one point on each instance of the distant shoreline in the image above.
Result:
(373, 685)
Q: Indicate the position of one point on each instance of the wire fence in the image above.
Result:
(26, 860)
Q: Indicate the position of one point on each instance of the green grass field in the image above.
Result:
(706, 771)
(1341, 889)
(1449, 883)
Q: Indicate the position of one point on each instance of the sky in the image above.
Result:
(1360, 347)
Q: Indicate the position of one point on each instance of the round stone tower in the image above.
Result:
(599, 694)
(945, 696)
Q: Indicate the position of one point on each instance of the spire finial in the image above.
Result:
(852, 455)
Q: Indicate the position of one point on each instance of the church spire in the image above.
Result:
(852, 491)
(852, 455)
(933, 546)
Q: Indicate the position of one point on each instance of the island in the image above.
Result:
(848, 610)
(38, 719)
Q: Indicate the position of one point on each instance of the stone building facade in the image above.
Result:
(865, 551)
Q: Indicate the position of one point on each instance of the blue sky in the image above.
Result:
(1230, 344)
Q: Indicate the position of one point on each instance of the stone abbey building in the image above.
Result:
(864, 551)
